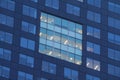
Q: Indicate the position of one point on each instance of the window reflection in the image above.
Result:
(60, 38)
(93, 64)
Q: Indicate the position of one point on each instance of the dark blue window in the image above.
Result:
(93, 16)
(34, 0)
(29, 11)
(48, 67)
(26, 60)
(114, 7)
(6, 20)
(90, 77)
(112, 22)
(114, 54)
(24, 76)
(4, 71)
(70, 74)
(7, 4)
(52, 3)
(6, 37)
(5, 54)
(43, 79)
(114, 70)
(114, 38)
(92, 47)
(71, 9)
(96, 3)
(28, 27)
(91, 31)
(27, 43)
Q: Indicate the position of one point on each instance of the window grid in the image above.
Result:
(60, 41)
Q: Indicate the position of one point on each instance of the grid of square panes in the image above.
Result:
(60, 38)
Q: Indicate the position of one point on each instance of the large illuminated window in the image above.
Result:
(60, 38)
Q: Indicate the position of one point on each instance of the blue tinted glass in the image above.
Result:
(55, 4)
(73, 9)
(23, 42)
(111, 6)
(52, 3)
(5, 72)
(8, 4)
(25, 10)
(97, 49)
(11, 5)
(31, 44)
(67, 73)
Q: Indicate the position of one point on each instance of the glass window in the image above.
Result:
(93, 16)
(7, 4)
(6, 37)
(92, 47)
(113, 70)
(71, 9)
(5, 54)
(28, 27)
(114, 7)
(55, 35)
(93, 32)
(27, 43)
(93, 64)
(114, 38)
(4, 71)
(34, 0)
(29, 11)
(52, 3)
(24, 76)
(6, 20)
(113, 22)
(48, 67)
(90, 77)
(96, 3)
(114, 54)
(43, 79)
(26, 60)
(70, 74)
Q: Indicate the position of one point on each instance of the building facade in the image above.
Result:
(59, 40)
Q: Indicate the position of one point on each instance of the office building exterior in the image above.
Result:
(59, 40)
